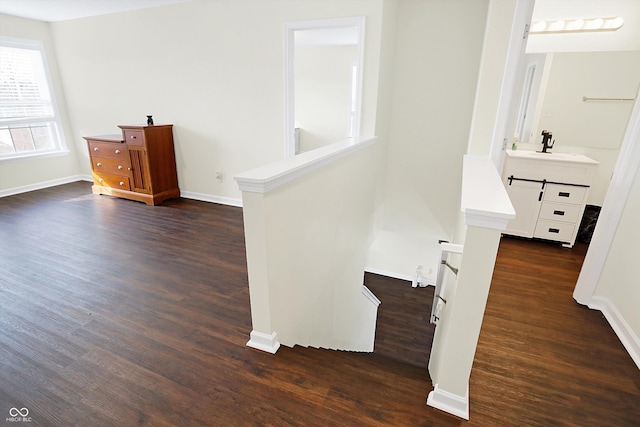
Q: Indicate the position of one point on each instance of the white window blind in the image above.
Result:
(28, 120)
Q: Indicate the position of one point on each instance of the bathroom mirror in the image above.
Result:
(556, 90)
(323, 82)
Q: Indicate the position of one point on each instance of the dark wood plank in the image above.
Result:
(113, 312)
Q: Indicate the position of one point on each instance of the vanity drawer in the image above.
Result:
(133, 137)
(554, 230)
(111, 166)
(113, 181)
(106, 149)
(560, 212)
(564, 194)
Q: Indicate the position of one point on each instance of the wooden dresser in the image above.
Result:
(138, 164)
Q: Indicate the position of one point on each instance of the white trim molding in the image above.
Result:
(44, 184)
(229, 201)
(629, 339)
(264, 342)
(269, 177)
(449, 402)
(613, 206)
(485, 202)
(391, 274)
(370, 295)
(290, 28)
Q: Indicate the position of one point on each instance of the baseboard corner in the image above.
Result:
(264, 342)
(622, 329)
(449, 402)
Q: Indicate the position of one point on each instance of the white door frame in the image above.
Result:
(615, 200)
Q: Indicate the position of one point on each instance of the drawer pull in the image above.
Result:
(117, 151)
(101, 180)
(564, 194)
(554, 230)
(133, 137)
(561, 213)
(98, 164)
(120, 168)
(121, 183)
(96, 149)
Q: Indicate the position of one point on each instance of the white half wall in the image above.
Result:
(308, 227)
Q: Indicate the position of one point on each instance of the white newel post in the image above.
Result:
(487, 209)
(262, 336)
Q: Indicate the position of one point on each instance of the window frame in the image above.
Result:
(60, 146)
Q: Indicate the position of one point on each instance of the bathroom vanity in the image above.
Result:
(549, 193)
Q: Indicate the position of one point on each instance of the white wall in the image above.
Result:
(619, 279)
(212, 68)
(594, 128)
(323, 93)
(26, 173)
(432, 94)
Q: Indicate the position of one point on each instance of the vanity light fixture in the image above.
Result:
(579, 25)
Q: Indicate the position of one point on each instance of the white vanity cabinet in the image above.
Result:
(549, 193)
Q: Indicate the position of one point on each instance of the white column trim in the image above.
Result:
(264, 342)
(449, 402)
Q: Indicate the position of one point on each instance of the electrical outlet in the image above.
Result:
(219, 176)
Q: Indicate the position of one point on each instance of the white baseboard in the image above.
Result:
(389, 274)
(212, 199)
(60, 181)
(264, 342)
(629, 339)
(370, 295)
(395, 275)
(44, 184)
(449, 402)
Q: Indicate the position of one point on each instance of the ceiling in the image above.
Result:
(627, 38)
(62, 10)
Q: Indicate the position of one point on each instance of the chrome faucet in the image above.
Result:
(546, 138)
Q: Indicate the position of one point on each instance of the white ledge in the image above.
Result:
(266, 178)
(485, 202)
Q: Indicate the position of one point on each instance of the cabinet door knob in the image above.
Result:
(117, 151)
(121, 183)
(101, 180)
(98, 164)
(120, 167)
(128, 169)
(96, 149)
(133, 137)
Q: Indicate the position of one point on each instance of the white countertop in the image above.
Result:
(555, 157)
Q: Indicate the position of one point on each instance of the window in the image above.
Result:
(29, 121)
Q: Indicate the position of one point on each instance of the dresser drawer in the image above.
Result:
(106, 149)
(133, 137)
(111, 166)
(554, 230)
(564, 194)
(113, 181)
(560, 212)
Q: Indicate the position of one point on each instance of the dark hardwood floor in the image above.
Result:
(115, 313)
